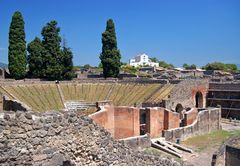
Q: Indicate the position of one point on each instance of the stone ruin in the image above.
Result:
(228, 154)
(67, 139)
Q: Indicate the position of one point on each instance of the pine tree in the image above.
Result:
(53, 58)
(110, 56)
(36, 58)
(17, 47)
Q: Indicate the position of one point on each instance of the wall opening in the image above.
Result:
(143, 121)
(179, 109)
(199, 100)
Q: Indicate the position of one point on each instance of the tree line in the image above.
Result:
(46, 58)
(210, 66)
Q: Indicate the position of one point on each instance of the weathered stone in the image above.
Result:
(37, 126)
(39, 157)
(6, 117)
(57, 159)
(66, 139)
(28, 115)
(42, 133)
(51, 132)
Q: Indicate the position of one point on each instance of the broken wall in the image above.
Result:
(207, 121)
(123, 122)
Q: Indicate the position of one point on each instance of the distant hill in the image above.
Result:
(3, 65)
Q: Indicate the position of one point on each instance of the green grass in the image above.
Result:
(213, 139)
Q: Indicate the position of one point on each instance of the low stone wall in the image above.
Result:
(138, 143)
(207, 120)
(14, 105)
(57, 138)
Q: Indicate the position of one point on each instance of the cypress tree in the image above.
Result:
(67, 56)
(36, 58)
(53, 58)
(110, 56)
(17, 47)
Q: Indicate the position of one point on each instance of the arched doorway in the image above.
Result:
(199, 100)
(179, 109)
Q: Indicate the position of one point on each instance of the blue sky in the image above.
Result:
(177, 31)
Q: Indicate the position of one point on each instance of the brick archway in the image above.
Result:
(199, 100)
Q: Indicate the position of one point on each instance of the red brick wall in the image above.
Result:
(171, 120)
(121, 122)
(190, 116)
(155, 121)
(105, 119)
(126, 122)
(204, 90)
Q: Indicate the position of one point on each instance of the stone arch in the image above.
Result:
(199, 100)
(179, 108)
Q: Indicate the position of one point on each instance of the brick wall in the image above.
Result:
(105, 119)
(155, 121)
(190, 116)
(121, 122)
(126, 122)
(171, 119)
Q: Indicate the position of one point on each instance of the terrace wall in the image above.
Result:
(207, 120)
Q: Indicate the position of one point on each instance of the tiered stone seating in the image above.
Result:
(45, 97)
(38, 97)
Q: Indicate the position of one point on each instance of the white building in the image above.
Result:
(142, 60)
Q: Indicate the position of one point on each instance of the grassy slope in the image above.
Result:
(213, 139)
